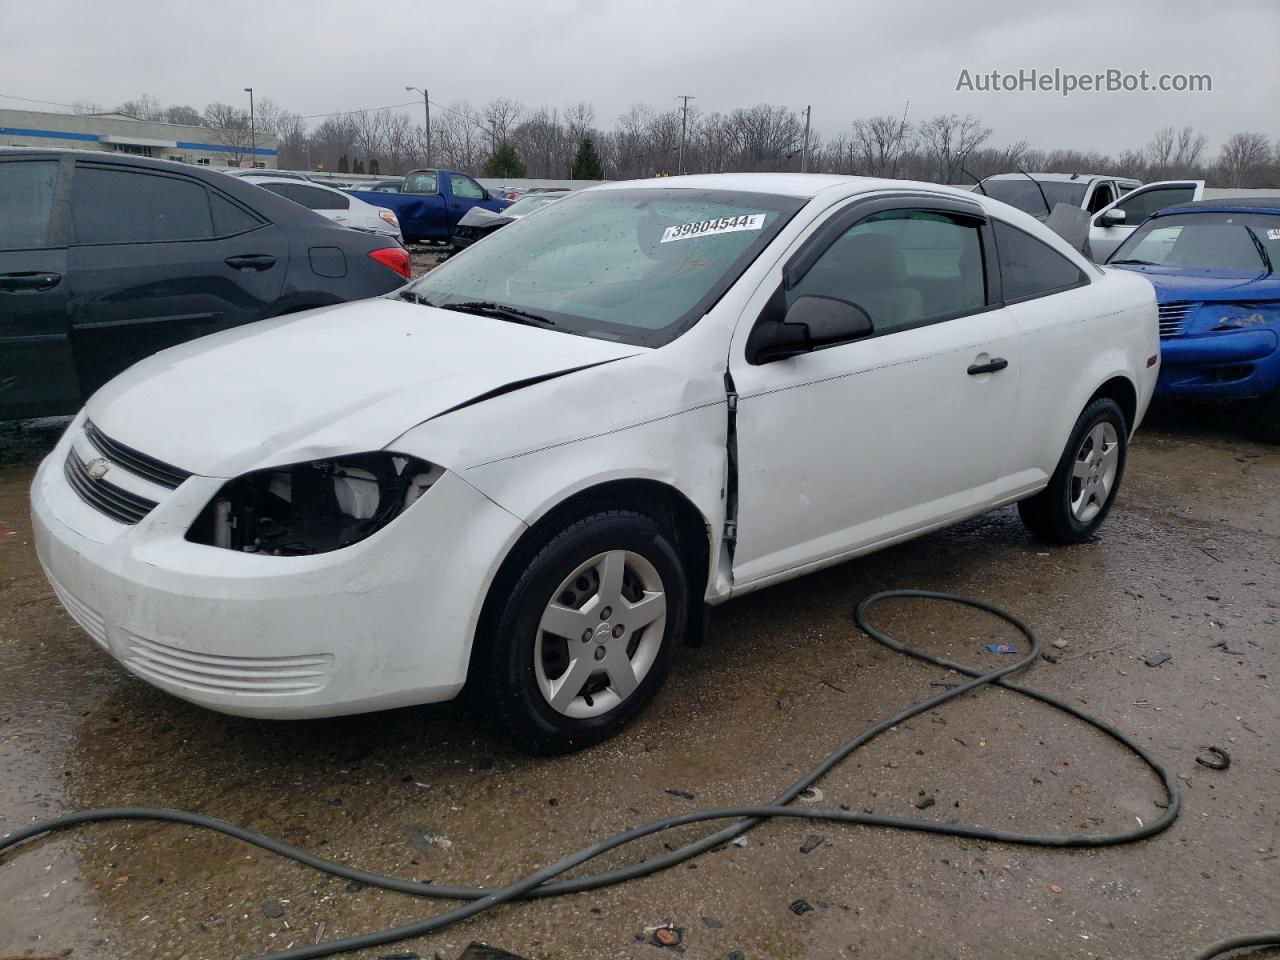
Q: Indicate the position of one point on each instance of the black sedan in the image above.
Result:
(106, 259)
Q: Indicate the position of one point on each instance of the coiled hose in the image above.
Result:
(544, 882)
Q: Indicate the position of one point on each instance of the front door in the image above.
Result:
(158, 259)
(37, 373)
(858, 444)
(1136, 205)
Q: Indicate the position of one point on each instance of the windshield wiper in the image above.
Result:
(1140, 263)
(1262, 250)
(487, 308)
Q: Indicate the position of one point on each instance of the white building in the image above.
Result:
(117, 133)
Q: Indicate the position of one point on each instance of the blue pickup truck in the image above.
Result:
(431, 202)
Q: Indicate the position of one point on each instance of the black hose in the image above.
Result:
(543, 882)
(1224, 947)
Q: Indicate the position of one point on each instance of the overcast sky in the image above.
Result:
(848, 59)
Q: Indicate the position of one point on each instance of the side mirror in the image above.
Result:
(487, 194)
(811, 323)
(1112, 218)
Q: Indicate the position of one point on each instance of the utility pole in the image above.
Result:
(253, 136)
(684, 125)
(426, 110)
(804, 151)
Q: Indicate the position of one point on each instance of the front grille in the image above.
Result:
(117, 503)
(149, 468)
(1173, 317)
(217, 674)
(89, 619)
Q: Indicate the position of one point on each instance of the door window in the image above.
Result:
(26, 202)
(123, 206)
(465, 188)
(1140, 205)
(904, 267)
(1102, 196)
(1030, 268)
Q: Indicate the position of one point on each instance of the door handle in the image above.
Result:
(251, 261)
(993, 365)
(13, 282)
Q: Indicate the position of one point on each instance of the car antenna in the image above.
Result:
(976, 181)
(1043, 198)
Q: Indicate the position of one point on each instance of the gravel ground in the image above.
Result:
(1187, 564)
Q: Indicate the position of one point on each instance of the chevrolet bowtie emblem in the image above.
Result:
(97, 468)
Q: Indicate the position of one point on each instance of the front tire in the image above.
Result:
(592, 616)
(1084, 484)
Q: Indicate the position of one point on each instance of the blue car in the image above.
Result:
(1213, 264)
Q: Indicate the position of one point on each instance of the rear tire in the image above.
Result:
(583, 631)
(1085, 482)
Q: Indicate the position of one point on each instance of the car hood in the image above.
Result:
(480, 217)
(1174, 283)
(341, 379)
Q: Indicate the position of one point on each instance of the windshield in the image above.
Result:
(1022, 193)
(638, 266)
(527, 205)
(1211, 241)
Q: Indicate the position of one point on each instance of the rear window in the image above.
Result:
(26, 201)
(313, 197)
(423, 181)
(123, 206)
(1025, 194)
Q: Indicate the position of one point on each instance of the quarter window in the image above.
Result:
(229, 219)
(465, 187)
(904, 267)
(121, 206)
(1029, 268)
(26, 202)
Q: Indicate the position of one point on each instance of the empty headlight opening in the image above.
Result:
(315, 507)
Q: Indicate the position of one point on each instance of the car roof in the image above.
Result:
(1061, 177)
(1265, 205)
(804, 185)
(269, 178)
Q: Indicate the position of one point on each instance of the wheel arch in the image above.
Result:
(692, 530)
(1123, 391)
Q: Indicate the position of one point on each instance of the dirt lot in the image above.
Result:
(1189, 564)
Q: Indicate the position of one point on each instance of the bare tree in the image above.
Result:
(500, 118)
(145, 107)
(1243, 160)
(83, 107)
(1174, 152)
(189, 116)
(947, 141)
(229, 127)
(878, 143)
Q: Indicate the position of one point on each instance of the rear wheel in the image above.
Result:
(587, 632)
(1084, 484)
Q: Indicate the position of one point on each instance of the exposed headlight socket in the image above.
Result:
(313, 507)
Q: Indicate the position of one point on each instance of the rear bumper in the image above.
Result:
(1237, 365)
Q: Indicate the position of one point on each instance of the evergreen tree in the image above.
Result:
(373, 166)
(587, 165)
(342, 164)
(504, 162)
(359, 167)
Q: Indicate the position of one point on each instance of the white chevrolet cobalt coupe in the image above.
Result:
(527, 471)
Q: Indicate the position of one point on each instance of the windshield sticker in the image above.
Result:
(707, 228)
(1273, 233)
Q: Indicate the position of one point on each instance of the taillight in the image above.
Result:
(397, 258)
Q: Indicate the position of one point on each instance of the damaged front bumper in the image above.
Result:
(1236, 365)
(383, 623)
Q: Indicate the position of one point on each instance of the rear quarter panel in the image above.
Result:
(421, 216)
(1073, 343)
